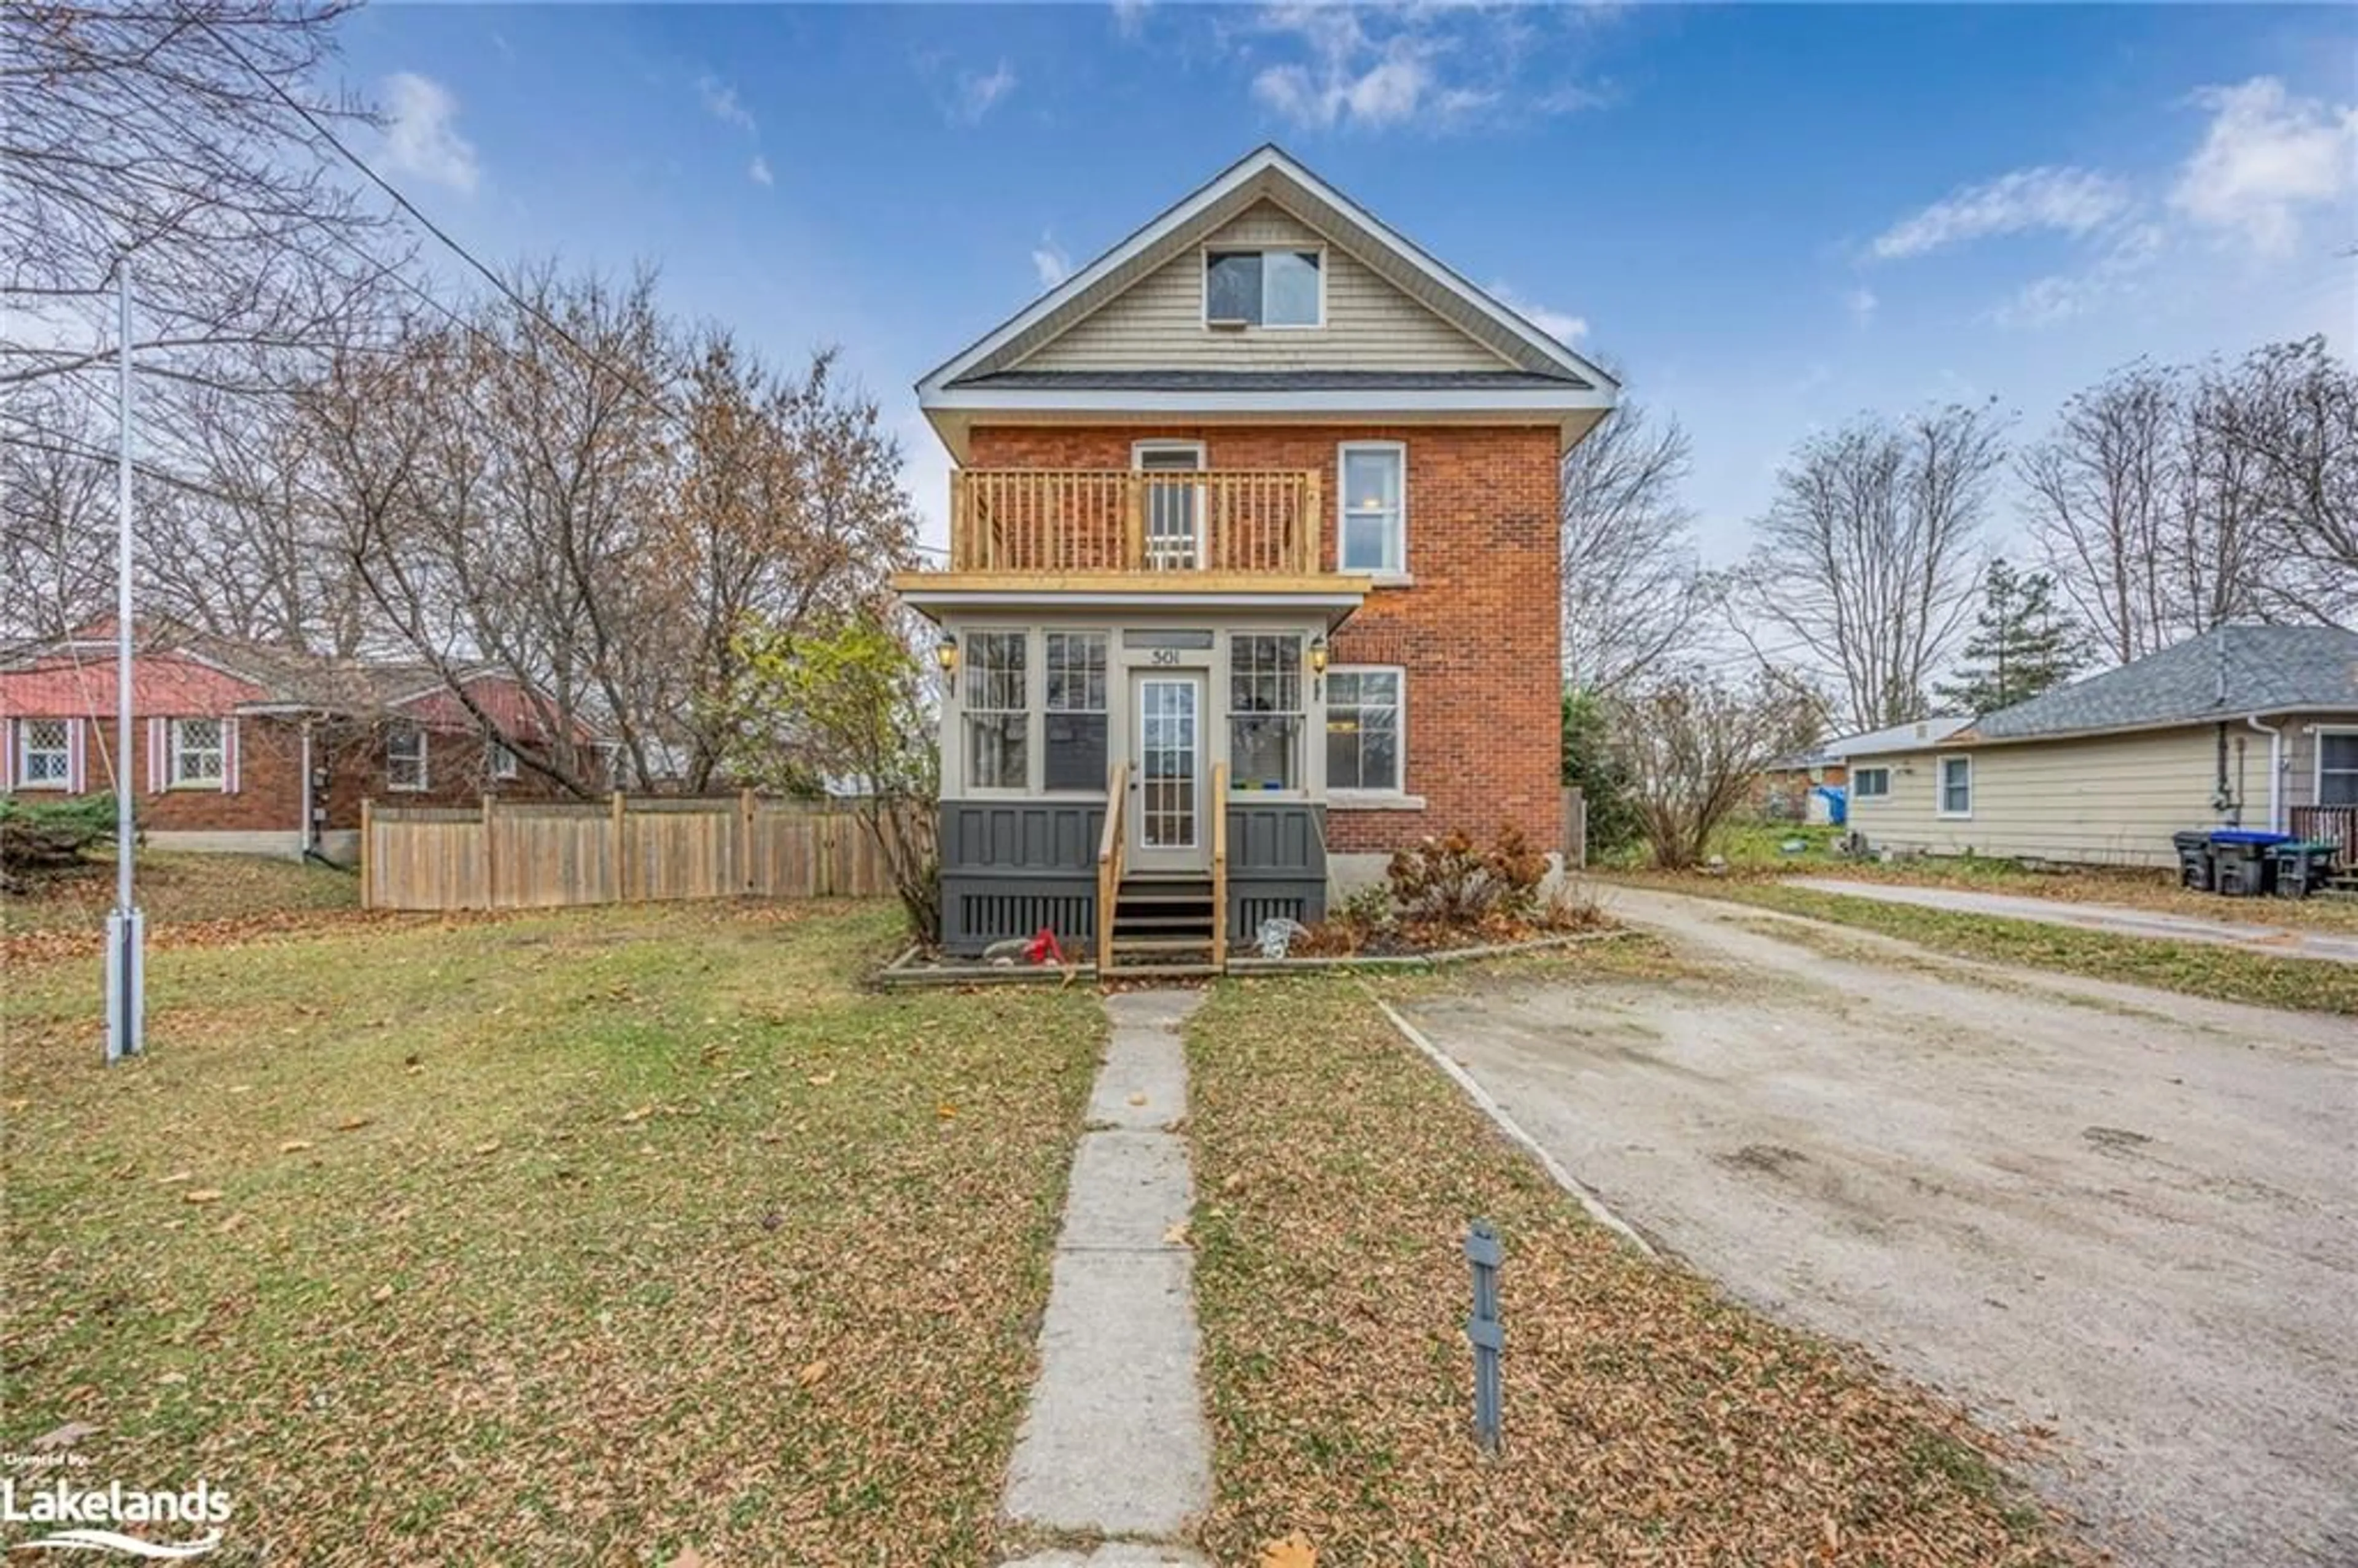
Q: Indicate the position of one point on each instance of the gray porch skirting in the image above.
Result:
(1012, 868)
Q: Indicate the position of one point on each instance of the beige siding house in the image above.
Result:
(2253, 726)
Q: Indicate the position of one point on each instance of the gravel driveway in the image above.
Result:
(2119, 1222)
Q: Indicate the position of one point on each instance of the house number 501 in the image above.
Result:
(1165, 656)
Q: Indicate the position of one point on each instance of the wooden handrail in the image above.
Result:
(1111, 847)
(1125, 520)
(1221, 866)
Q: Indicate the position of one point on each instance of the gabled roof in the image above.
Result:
(1269, 174)
(2223, 673)
(1870, 743)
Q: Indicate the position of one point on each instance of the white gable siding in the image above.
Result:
(2107, 799)
(1158, 322)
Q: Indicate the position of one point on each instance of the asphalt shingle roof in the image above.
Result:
(2223, 673)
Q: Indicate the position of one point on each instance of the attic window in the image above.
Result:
(1262, 288)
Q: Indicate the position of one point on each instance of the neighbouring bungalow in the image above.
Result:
(2247, 726)
(1787, 789)
(255, 750)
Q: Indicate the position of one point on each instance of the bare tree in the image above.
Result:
(2299, 420)
(1688, 747)
(1632, 589)
(1867, 559)
(2096, 494)
(57, 554)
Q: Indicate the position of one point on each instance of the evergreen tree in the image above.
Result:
(2022, 644)
(1589, 763)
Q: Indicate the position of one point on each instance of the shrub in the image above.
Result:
(1452, 881)
(46, 836)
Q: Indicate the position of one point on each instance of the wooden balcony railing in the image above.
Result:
(2336, 825)
(1116, 520)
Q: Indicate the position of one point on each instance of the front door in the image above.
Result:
(1167, 829)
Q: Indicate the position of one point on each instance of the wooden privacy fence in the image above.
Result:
(544, 855)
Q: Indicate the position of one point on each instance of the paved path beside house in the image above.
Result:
(2282, 941)
(1114, 1448)
(2117, 1222)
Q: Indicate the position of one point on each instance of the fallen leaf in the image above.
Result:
(1138, 1100)
(1294, 1551)
(65, 1436)
(353, 1123)
(631, 1117)
(1179, 1234)
(820, 1080)
(811, 1374)
(294, 1146)
(946, 1110)
(201, 1194)
(491, 1148)
(170, 1377)
(382, 1293)
(689, 1557)
(175, 1177)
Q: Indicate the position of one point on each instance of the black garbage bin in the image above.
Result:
(2194, 860)
(2239, 861)
(2299, 868)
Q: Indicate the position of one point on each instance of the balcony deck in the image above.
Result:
(1217, 531)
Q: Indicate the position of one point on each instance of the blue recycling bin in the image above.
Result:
(2241, 865)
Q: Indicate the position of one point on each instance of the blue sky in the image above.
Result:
(1769, 217)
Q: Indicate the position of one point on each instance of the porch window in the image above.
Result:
(195, 753)
(997, 720)
(1075, 751)
(404, 758)
(2337, 769)
(1373, 527)
(1262, 288)
(1363, 730)
(1265, 712)
(44, 754)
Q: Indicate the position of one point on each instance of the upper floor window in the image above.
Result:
(1374, 527)
(1264, 288)
(45, 753)
(498, 759)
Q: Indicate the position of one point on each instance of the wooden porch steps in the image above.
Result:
(1159, 922)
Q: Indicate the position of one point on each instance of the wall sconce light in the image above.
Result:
(946, 656)
(1318, 656)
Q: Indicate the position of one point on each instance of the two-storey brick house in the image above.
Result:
(1252, 574)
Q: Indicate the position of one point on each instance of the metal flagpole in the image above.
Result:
(126, 978)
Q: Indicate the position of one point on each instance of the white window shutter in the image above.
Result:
(76, 766)
(157, 740)
(229, 756)
(7, 753)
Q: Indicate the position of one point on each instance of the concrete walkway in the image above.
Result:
(2285, 941)
(1114, 1451)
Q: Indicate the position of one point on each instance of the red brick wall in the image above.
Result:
(1477, 631)
(269, 797)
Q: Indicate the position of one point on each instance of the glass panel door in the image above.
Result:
(1170, 766)
(1173, 507)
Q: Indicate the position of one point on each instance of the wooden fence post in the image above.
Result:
(1575, 828)
(825, 881)
(491, 861)
(368, 831)
(746, 840)
(622, 851)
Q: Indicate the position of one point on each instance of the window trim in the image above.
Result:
(1351, 796)
(425, 763)
(1858, 783)
(1138, 453)
(19, 779)
(1209, 248)
(1034, 696)
(1399, 572)
(2317, 769)
(1941, 788)
(173, 777)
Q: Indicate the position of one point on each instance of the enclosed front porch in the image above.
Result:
(1148, 786)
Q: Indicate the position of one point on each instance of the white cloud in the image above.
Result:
(1564, 327)
(2265, 155)
(1862, 304)
(2122, 267)
(420, 136)
(2072, 200)
(1049, 260)
(720, 102)
(979, 92)
(1129, 16)
(1432, 66)
(758, 171)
